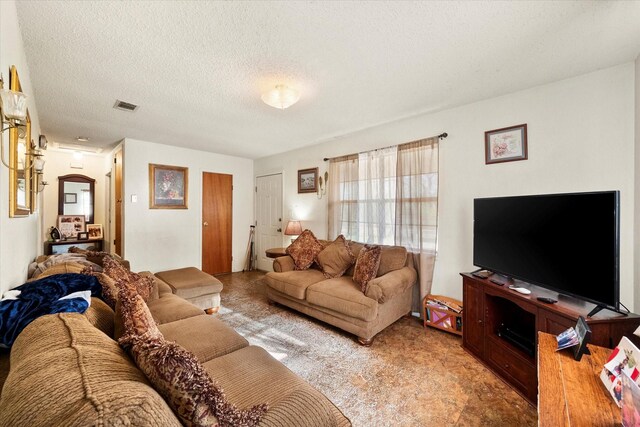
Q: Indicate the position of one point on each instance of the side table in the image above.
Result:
(276, 252)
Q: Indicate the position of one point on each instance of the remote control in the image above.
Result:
(524, 291)
(547, 300)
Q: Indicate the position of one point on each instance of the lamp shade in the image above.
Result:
(281, 97)
(14, 104)
(293, 228)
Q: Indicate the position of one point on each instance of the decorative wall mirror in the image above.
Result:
(20, 161)
(76, 196)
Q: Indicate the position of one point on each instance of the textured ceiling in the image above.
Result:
(197, 69)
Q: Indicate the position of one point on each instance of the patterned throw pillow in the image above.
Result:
(176, 373)
(335, 258)
(366, 266)
(135, 318)
(109, 288)
(304, 250)
(116, 271)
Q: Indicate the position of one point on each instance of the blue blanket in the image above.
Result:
(42, 297)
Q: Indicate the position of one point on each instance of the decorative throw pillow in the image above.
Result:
(109, 287)
(176, 373)
(304, 250)
(115, 270)
(135, 319)
(366, 266)
(335, 258)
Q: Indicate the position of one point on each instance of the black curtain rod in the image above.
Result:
(443, 135)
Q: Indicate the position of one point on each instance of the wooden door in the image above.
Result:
(117, 241)
(268, 218)
(217, 211)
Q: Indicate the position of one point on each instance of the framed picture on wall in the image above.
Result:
(505, 144)
(95, 231)
(70, 198)
(70, 226)
(168, 187)
(308, 180)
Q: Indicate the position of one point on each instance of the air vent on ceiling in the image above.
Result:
(125, 106)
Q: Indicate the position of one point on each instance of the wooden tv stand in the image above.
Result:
(501, 328)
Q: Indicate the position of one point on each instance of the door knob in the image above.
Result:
(279, 230)
(206, 224)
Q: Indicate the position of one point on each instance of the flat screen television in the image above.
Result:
(569, 243)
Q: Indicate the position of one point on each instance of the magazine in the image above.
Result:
(623, 359)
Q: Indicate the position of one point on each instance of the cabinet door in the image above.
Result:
(473, 317)
(553, 323)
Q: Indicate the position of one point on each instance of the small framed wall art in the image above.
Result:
(308, 180)
(95, 231)
(70, 198)
(506, 144)
(168, 187)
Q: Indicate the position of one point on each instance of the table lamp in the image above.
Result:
(293, 228)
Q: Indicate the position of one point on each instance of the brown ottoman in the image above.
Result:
(197, 287)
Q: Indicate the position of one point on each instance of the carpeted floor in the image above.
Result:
(408, 377)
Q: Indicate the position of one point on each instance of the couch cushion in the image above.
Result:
(60, 268)
(179, 377)
(204, 336)
(344, 296)
(170, 308)
(391, 258)
(304, 250)
(101, 316)
(335, 258)
(294, 283)
(251, 376)
(66, 372)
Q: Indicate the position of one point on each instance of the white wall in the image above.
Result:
(637, 187)
(58, 164)
(19, 237)
(161, 239)
(581, 138)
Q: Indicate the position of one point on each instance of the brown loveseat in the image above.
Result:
(339, 301)
(66, 369)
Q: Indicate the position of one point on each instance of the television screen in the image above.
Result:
(565, 242)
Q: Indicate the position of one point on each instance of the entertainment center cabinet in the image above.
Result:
(501, 328)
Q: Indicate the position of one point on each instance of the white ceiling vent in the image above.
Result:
(125, 106)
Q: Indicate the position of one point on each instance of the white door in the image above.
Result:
(268, 218)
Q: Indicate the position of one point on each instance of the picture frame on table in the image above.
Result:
(506, 144)
(308, 180)
(95, 231)
(70, 225)
(168, 187)
(83, 235)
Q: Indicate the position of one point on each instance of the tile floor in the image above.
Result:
(409, 376)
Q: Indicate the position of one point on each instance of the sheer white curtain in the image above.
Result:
(343, 197)
(416, 225)
(390, 197)
(377, 196)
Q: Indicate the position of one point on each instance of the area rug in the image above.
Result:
(410, 376)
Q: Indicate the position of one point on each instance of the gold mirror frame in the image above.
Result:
(16, 176)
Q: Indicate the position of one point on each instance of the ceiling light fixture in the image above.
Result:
(83, 139)
(281, 97)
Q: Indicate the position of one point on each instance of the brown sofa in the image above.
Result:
(66, 369)
(339, 301)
